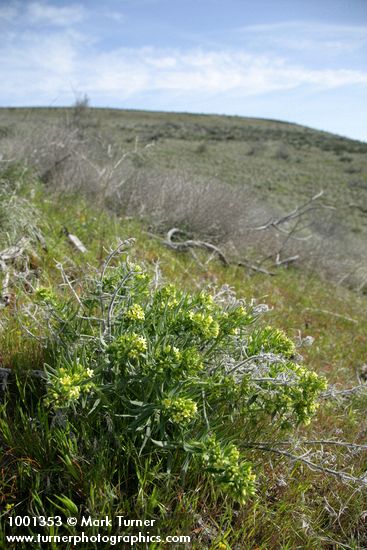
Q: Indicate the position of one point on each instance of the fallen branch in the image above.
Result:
(255, 268)
(294, 214)
(182, 246)
(286, 261)
(312, 465)
(332, 392)
(190, 244)
(76, 242)
(323, 442)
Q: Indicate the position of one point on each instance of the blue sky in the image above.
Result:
(302, 61)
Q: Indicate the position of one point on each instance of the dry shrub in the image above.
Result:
(207, 209)
(69, 159)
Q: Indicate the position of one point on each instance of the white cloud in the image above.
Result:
(36, 68)
(114, 15)
(50, 14)
(304, 36)
(130, 71)
(265, 66)
(42, 13)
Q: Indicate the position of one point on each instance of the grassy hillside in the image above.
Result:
(283, 162)
(80, 468)
(257, 169)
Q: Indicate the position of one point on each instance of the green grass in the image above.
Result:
(294, 507)
(284, 163)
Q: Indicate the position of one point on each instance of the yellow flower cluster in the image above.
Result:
(138, 271)
(129, 345)
(134, 267)
(206, 300)
(138, 345)
(300, 398)
(71, 383)
(166, 357)
(181, 410)
(204, 324)
(135, 313)
(167, 297)
(235, 477)
(271, 340)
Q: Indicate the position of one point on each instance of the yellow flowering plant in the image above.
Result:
(68, 383)
(176, 372)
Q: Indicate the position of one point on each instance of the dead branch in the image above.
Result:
(75, 241)
(294, 214)
(255, 268)
(286, 261)
(333, 393)
(189, 245)
(182, 246)
(312, 465)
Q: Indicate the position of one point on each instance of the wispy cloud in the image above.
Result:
(50, 50)
(42, 13)
(305, 36)
(123, 72)
(114, 15)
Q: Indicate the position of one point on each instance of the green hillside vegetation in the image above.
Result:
(137, 404)
(288, 161)
(218, 177)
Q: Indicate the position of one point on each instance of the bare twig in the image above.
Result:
(322, 442)
(188, 244)
(127, 243)
(296, 213)
(68, 283)
(332, 392)
(312, 465)
(286, 261)
(255, 268)
(113, 300)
